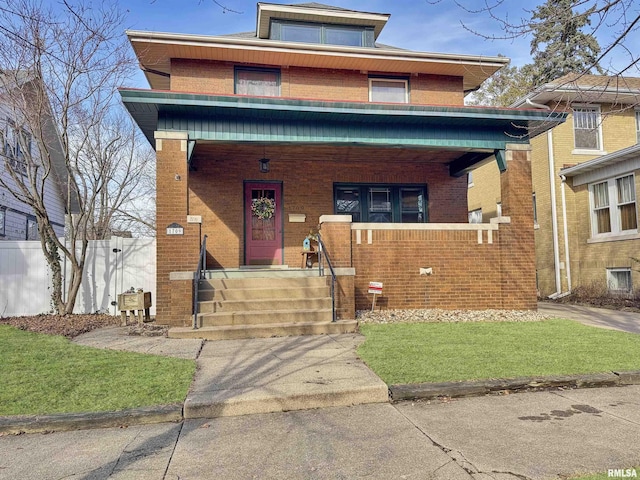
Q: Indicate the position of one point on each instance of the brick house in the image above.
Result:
(584, 184)
(307, 124)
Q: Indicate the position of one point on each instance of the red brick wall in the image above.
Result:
(466, 275)
(307, 174)
(209, 77)
(174, 253)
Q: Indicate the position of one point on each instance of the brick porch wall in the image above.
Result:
(174, 253)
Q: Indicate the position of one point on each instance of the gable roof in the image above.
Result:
(581, 88)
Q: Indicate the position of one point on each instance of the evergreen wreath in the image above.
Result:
(263, 208)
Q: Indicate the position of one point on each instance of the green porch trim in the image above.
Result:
(501, 159)
(476, 132)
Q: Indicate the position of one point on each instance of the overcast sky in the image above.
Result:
(422, 25)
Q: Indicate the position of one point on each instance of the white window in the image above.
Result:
(388, 90)
(499, 209)
(535, 208)
(16, 143)
(586, 128)
(475, 216)
(257, 82)
(3, 217)
(619, 280)
(469, 179)
(32, 229)
(613, 206)
(637, 126)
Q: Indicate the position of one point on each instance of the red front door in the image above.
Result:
(263, 220)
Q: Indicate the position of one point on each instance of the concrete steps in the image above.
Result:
(263, 303)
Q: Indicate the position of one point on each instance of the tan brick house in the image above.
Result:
(584, 184)
(308, 123)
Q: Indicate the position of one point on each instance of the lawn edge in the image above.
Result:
(473, 388)
(19, 424)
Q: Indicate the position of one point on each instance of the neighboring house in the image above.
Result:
(584, 184)
(306, 123)
(18, 145)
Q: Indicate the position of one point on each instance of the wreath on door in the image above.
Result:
(263, 208)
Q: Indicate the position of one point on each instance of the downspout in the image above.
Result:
(554, 216)
(566, 236)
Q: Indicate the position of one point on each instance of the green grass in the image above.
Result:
(43, 374)
(439, 352)
(600, 476)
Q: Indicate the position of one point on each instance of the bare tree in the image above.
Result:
(612, 22)
(60, 72)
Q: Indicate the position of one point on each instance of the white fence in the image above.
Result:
(112, 266)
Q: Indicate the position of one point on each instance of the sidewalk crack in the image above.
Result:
(173, 450)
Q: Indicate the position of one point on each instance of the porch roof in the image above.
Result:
(477, 132)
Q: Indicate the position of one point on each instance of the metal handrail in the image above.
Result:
(199, 275)
(322, 251)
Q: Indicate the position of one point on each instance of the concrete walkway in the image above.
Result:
(528, 436)
(596, 317)
(238, 377)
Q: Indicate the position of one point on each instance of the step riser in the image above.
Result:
(266, 304)
(267, 331)
(264, 282)
(259, 318)
(206, 295)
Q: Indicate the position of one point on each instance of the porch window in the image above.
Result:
(613, 206)
(257, 82)
(586, 128)
(382, 203)
(389, 90)
(619, 280)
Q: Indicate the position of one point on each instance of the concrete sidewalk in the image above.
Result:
(528, 436)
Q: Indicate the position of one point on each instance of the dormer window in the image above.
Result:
(303, 32)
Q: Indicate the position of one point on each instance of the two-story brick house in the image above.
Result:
(306, 123)
(584, 184)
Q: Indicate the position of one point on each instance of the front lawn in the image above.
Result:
(440, 352)
(43, 374)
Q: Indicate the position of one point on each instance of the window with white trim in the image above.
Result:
(32, 229)
(389, 90)
(613, 206)
(535, 208)
(475, 216)
(637, 126)
(3, 218)
(499, 209)
(469, 179)
(586, 128)
(16, 145)
(619, 280)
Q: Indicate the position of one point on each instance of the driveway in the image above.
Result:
(596, 317)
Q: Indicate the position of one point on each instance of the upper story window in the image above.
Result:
(350, 36)
(613, 206)
(3, 221)
(16, 144)
(32, 229)
(389, 90)
(637, 126)
(382, 203)
(586, 128)
(257, 82)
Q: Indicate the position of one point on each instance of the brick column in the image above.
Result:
(336, 235)
(517, 247)
(175, 253)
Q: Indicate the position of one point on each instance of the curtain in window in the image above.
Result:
(258, 83)
(627, 203)
(601, 207)
(388, 91)
(585, 125)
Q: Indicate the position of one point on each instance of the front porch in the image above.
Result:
(401, 165)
